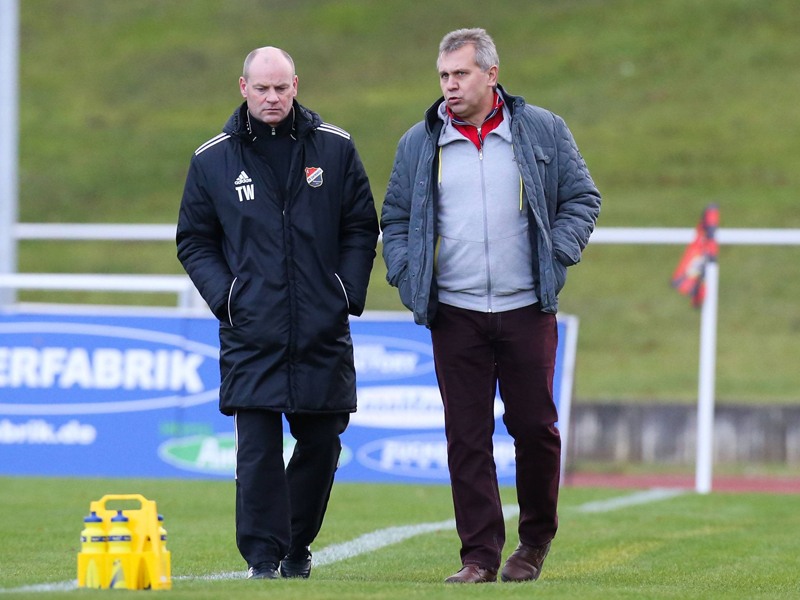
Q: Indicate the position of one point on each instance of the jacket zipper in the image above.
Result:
(485, 227)
(428, 197)
(292, 312)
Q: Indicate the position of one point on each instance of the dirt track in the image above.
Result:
(774, 485)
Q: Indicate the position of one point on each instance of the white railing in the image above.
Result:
(151, 284)
(681, 235)
(188, 297)
(602, 235)
(94, 231)
(181, 285)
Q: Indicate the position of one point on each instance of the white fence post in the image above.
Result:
(9, 135)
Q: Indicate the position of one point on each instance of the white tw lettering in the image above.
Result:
(246, 192)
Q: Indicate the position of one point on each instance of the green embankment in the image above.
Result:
(674, 104)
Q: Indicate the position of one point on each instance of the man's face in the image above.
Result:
(269, 88)
(468, 91)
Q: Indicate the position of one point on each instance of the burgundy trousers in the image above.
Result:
(473, 353)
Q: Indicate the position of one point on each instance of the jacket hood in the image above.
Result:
(512, 103)
(305, 121)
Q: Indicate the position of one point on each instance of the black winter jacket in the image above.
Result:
(281, 265)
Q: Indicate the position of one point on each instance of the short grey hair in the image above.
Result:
(485, 51)
(250, 57)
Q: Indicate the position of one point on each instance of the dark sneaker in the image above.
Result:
(264, 570)
(297, 564)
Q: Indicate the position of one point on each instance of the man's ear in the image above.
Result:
(492, 72)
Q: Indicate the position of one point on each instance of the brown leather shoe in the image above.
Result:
(525, 563)
(473, 574)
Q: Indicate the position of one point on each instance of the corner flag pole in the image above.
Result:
(697, 275)
(705, 399)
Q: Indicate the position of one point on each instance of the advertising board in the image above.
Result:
(135, 394)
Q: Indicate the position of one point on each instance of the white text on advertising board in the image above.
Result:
(39, 431)
(425, 456)
(380, 358)
(216, 454)
(52, 368)
(101, 368)
(403, 407)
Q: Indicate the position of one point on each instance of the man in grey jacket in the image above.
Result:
(488, 203)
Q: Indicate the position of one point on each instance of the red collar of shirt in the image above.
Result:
(471, 132)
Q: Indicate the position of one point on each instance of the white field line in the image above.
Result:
(375, 540)
(652, 495)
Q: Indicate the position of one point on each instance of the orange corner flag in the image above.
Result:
(688, 277)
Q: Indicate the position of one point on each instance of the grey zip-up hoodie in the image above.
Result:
(483, 262)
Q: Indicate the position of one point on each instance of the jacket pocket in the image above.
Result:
(404, 289)
(229, 304)
(344, 290)
(509, 263)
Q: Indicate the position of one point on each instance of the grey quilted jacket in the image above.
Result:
(563, 205)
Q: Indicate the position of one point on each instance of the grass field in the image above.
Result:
(674, 104)
(684, 546)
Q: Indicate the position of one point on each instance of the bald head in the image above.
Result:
(268, 84)
(267, 54)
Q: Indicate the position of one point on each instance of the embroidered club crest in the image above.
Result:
(314, 176)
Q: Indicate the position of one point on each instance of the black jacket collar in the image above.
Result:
(305, 121)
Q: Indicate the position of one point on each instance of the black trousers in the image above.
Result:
(473, 353)
(279, 509)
